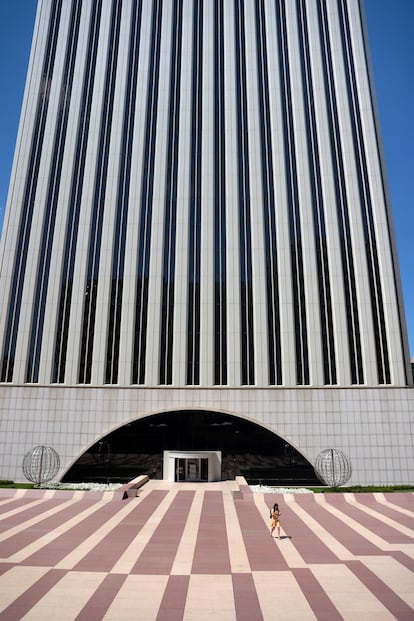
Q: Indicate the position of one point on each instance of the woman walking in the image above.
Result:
(275, 520)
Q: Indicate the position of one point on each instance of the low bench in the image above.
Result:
(130, 490)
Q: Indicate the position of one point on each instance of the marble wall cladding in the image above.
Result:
(373, 426)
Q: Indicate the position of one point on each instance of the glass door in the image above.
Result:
(191, 469)
(180, 469)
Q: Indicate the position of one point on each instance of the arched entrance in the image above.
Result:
(246, 449)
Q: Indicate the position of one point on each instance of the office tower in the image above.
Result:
(198, 229)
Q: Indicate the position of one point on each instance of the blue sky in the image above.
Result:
(391, 35)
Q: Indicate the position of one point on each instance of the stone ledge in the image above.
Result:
(130, 490)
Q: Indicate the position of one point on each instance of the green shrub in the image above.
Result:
(13, 485)
(356, 489)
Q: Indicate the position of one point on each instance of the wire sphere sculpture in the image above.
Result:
(333, 467)
(40, 464)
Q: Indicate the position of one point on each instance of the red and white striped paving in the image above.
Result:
(186, 552)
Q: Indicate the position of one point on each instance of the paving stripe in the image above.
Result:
(5, 567)
(6, 501)
(53, 546)
(210, 597)
(349, 595)
(173, 602)
(288, 550)
(93, 552)
(239, 560)
(159, 553)
(396, 519)
(138, 599)
(395, 577)
(123, 530)
(13, 507)
(404, 559)
(402, 501)
(318, 600)
(359, 526)
(185, 553)
(16, 581)
(356, 538)
(262, 555)
(96, 607)
(245, 598)
(276, 591)
(21, 529)
(375, 522)
(27, 600)
(395, 604)
(66, 598)
(17, 493)
(314, 543)
(211, 553)
(399, 514)
(51, 538)
(126, 561)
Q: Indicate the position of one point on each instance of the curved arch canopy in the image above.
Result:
(247, 449)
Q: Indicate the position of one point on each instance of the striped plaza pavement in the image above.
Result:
(182, 551)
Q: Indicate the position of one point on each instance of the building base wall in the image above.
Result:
(372, 426)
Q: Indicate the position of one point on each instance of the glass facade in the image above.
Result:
(199, 205)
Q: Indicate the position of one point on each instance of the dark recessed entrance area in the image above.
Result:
(247, 449)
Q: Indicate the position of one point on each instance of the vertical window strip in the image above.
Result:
(220, 304)
(167, 304)
(354, 337)
(71, 236)
(246, 285)
(29, 195)
(377, 303)
(122, 201)
(194, 259)
(98, 201)
(269, 216)
(301, 337)
(141, 300)
(42, 278)
(325, 305)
